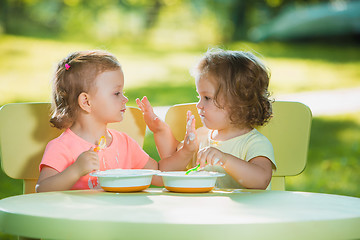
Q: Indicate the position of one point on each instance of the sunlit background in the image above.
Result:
(311, 46)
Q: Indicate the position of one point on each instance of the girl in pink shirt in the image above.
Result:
(87, 95)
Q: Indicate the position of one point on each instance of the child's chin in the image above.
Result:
(209, 126)
(204, 122)
(118, 119)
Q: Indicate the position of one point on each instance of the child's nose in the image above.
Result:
(126, 99)
(199, 104)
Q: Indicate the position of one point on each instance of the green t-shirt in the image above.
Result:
(246, 147)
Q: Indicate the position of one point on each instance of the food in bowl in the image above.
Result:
(195, 182)
(125, 180)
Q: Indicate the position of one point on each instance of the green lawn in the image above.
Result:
(334, 157)
(26, 66)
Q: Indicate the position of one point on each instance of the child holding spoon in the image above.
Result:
(233, 100)
(87, 95)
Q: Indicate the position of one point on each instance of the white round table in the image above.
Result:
(159, 214)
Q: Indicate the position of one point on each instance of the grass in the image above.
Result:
(162, 74)
(308, 67)
(333, 158)
(27, 64)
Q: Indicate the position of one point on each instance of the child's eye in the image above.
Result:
(117, 93)
(206, 98)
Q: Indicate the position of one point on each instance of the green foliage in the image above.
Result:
(156, 21)
(130, 20)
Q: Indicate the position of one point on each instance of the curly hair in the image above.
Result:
(242, 82)
(76, 74)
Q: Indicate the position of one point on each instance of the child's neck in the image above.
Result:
(90, 133)
(229, 133)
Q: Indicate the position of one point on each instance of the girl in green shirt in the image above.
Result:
(233, 100)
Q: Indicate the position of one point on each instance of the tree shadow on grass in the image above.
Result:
(333, 164)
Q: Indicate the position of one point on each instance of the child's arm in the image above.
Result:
(153, 164)
(177, 161)
(164, 139)
(52, 180)
(174, 155)
(180, 159)
(255, 174)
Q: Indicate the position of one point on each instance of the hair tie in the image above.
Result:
(67, 66)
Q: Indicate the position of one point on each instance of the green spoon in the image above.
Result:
(193, 169)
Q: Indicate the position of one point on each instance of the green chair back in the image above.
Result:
(288, 131)
(25, 130)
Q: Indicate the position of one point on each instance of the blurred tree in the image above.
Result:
(133, 18)
(3, 16)
(152, 14)
(56, 17)
(238, 16)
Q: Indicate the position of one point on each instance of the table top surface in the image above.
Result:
(156, 212)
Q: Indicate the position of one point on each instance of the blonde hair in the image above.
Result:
(76, 74)
(242, 82)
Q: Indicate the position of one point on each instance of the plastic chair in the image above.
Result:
(25, 130)
(288, 131)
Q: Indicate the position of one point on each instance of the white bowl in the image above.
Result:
(125, 180)
(195, 182)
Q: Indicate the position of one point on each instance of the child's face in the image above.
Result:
(212, 117)
(108, 100)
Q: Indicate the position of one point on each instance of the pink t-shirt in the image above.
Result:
(123, 152)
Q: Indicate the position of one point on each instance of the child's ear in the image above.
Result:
(84, 102)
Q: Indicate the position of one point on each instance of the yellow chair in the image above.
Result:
(288, 131)
(25, 130)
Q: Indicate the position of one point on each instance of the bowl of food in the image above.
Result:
(125, 180)
(194, 182)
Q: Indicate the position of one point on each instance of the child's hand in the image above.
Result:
(87, 162)
(151, 119)
(190, 140)
(210, 156)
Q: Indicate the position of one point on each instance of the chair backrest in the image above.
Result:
(25, 130)
(288, 131)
